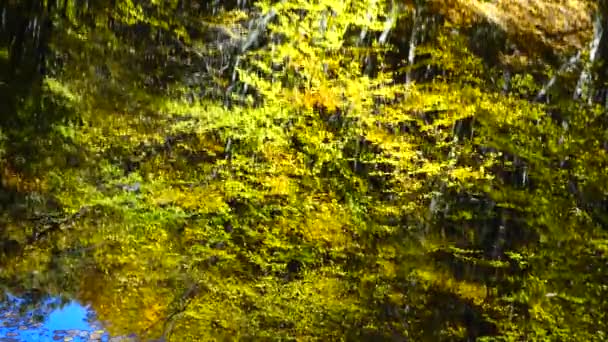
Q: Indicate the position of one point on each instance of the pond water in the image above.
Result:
(289, 171)
(51, 320)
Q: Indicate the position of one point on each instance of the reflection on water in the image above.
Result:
(52, 320)
(205, 170)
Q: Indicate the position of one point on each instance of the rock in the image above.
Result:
(121, 339)
(22, 327)
(68, 339)
(95, 336)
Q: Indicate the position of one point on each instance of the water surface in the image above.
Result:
(50, 320)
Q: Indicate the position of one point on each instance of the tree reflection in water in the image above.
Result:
(305, 170)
